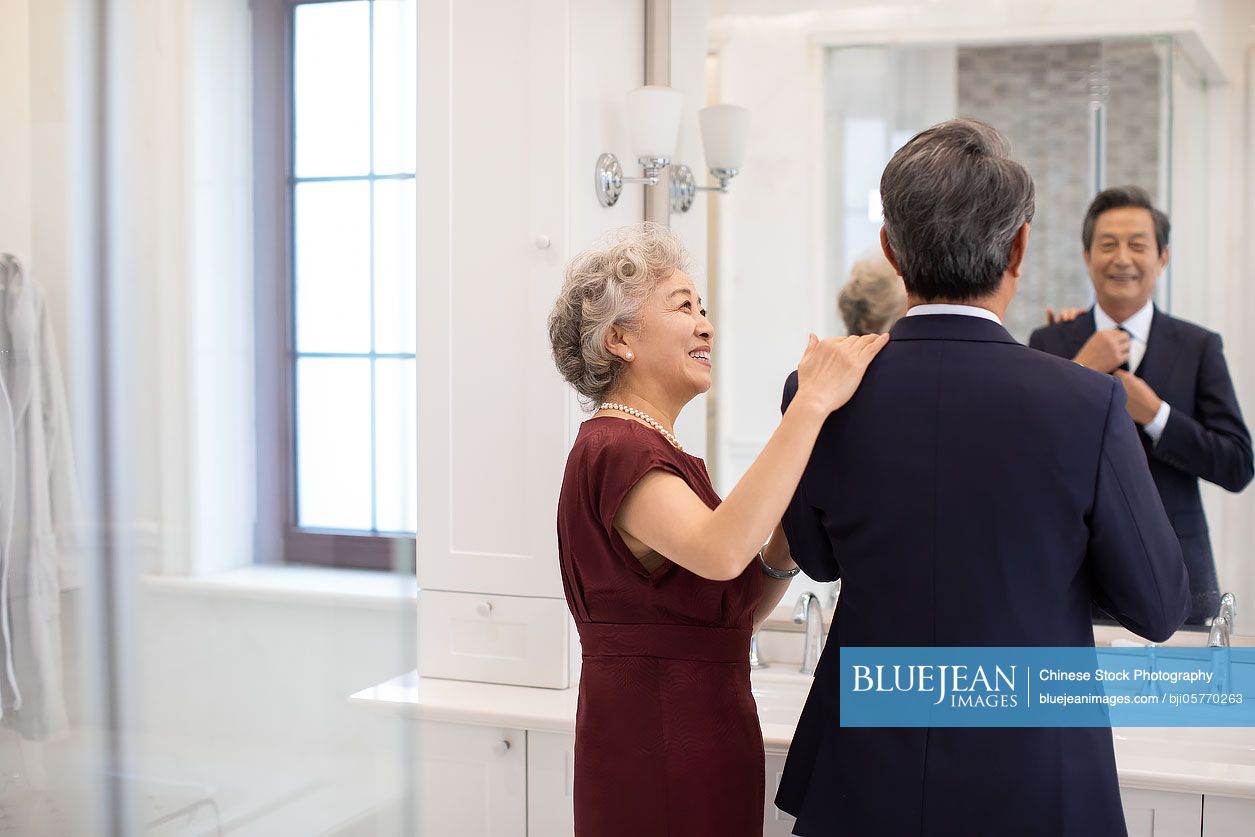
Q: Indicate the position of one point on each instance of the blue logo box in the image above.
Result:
(1047, 687)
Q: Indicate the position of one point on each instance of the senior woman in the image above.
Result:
(665, 581)
(874, 297)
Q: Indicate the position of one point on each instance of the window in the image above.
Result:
(334, 128)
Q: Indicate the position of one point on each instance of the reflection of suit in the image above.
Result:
(972, 493)
(1205, 437)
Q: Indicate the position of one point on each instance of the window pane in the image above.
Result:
(396, 429)
(331, 81)
(333, 266)
(395, 93)
(333, 443)
(394, 266)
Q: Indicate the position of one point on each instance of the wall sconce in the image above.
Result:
(725, 129)
(653, 115)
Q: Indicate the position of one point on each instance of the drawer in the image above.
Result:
(516, 640)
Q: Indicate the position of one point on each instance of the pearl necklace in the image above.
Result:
(632, 411)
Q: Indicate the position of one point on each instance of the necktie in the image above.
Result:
(1125, 365)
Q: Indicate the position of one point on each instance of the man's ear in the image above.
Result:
(1019, 248)
(888, 251)
(1163, 258)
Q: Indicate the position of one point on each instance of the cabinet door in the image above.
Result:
(472, 781)
(1162, 814)
(1226, 817)
(494, 639)
(776, 823)
(492, 222)
(550, 774)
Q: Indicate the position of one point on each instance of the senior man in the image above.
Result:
(1173, 373)
(973, 492)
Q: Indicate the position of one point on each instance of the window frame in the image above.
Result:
(277, 538)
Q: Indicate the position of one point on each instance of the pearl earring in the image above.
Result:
(629, 356)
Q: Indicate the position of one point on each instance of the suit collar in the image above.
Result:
(1160, 348)
(950, 327)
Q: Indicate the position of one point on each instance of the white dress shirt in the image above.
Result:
(1138, 327)
(949, 308)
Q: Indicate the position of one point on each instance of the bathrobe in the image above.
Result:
(38, 511)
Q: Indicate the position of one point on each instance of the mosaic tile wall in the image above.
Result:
(1039, 95)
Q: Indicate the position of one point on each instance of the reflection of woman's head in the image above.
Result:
(874, 297)
(612, 291)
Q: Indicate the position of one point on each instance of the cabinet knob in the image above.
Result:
(501, 747)
(542, 242)
(484, 608)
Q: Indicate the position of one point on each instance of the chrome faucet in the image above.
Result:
(1222, 625)
(807, 612)
(756, 662)
(1218, 637)
(1228, 608)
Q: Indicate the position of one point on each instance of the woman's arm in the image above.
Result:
(775, 553)
(663, 513)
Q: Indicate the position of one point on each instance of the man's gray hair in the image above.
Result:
(953, 201)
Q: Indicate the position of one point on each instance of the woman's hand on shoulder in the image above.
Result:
(831, 370)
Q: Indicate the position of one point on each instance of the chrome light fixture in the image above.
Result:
(725, 130)
(653, 115)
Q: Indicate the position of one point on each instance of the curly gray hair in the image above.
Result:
(604, 287)
(873, 298)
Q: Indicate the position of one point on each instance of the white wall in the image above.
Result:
(688, 75)
(769, 235)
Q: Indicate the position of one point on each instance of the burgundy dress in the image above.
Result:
(667, 740)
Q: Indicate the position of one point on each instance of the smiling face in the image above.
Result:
(673, 343)
(1124, 261)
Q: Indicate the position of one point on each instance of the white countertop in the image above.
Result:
(1211, 761)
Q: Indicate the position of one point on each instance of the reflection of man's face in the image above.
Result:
(1124, 261)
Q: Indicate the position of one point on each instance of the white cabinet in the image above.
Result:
(492, 411)
(1162, 814)
(776, 823)
(476, 781)
(518, 640)
(550, 780)
(518, 100)
(480, 781)
(471, 781)
(1227, 817)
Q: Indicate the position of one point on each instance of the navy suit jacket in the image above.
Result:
(973, 492)
(1205, 437)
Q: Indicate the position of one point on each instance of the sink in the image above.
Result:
(780, 695)
(1218, 745)
(1191, 637)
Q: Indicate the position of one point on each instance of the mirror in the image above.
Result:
(835, 88)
